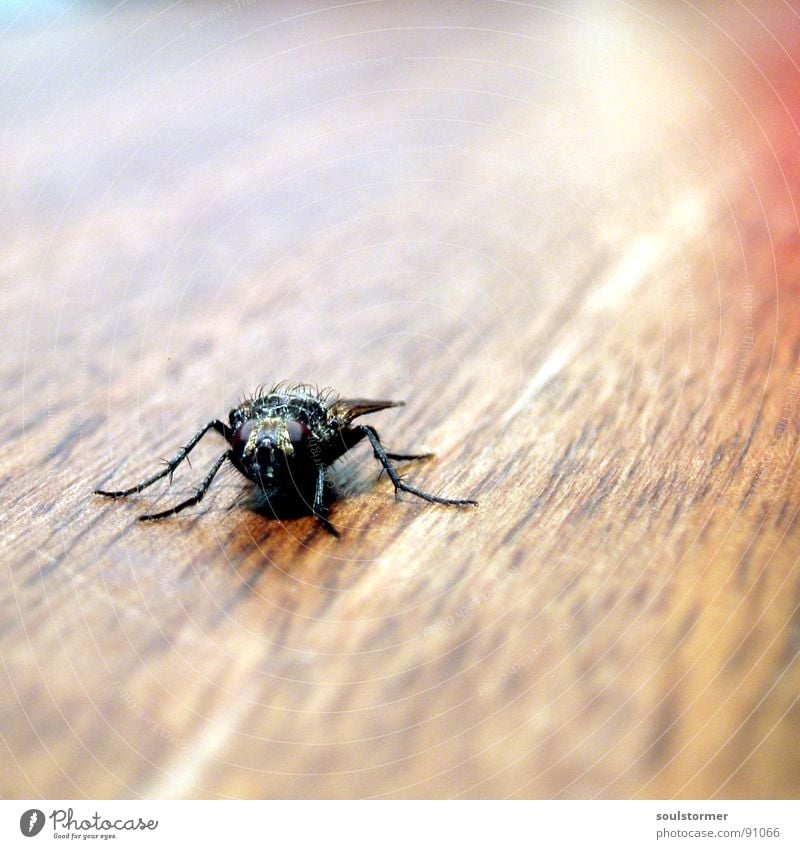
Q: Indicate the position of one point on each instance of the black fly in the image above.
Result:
(285, 440)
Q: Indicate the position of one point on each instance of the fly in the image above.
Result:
(285, 441)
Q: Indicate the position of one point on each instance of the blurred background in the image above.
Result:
(566, 234)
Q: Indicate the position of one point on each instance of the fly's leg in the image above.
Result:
(172, 464)
(399, 484)
(320, 510)
(198, 495)
(394, 456)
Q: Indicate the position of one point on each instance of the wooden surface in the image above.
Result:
(567, 237)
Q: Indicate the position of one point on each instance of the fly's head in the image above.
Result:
(272, 451)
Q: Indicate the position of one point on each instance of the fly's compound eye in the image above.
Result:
(298, 432)
(240, 437)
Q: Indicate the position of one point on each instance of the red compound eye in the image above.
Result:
(241, 435)
(297, 431)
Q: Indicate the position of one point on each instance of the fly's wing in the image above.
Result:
(347, 409)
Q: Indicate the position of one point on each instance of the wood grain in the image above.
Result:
(567, 237)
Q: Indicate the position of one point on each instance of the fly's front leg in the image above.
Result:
(172, 464)
(320, 511)
(399, 484)
(198, 495)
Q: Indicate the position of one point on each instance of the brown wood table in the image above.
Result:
(567, 236)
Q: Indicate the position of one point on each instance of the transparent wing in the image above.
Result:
(347, 409)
